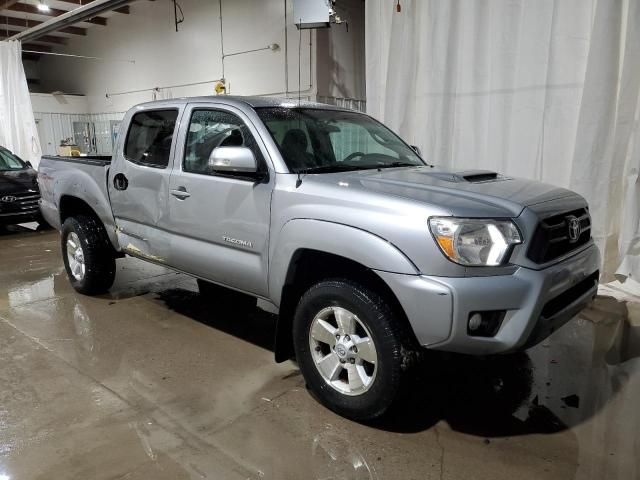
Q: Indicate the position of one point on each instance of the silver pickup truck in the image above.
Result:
(369, 253)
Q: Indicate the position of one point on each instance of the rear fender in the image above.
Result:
(82, 186)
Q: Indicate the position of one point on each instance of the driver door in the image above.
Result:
(219, 222)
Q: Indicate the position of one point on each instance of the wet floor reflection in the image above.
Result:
(477, 394)
(154, 381)
(258, 327)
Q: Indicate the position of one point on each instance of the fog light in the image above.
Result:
(485, 324)
(475, 321)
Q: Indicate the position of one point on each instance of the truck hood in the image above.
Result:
(18, 181)
(470, 193)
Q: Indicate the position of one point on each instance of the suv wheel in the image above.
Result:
(350, 347)
(88, 255)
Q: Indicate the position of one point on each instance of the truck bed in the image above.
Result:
(81, 178)
(100, 160)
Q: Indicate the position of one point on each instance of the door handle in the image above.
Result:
(180, 193)
(120, 182)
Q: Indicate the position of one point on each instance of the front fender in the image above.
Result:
(355, 244)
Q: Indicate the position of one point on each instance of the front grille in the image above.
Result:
(567, 297)
(24, 203)
(552, 236)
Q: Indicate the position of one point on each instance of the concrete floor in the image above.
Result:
(149, 383)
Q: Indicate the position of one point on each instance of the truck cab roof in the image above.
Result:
(239, 100)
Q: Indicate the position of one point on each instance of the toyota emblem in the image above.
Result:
(8, 199)
(575, 229)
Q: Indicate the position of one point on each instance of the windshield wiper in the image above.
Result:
(398, 164)
(329, 169)
(334, 168)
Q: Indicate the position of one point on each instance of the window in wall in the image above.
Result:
(210, 129)
(150, 136)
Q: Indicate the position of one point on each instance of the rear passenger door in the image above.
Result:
(139, 181)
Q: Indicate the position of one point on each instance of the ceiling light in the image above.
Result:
(43, 7)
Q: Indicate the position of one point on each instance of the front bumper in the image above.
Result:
(537, 302)
(14, 218)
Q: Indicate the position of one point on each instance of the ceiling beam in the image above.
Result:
(20, 22)
(52, 12)
(7, 3)
(124, 10)
(77, 15)
(44, 38)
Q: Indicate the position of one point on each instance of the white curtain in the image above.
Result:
(18, 131)
(547, 90)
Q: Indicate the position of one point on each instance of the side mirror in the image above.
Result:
(233, 160)
(416, 149)
(29, 164)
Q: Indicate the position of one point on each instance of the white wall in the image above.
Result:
(165, 58)
(47, 103)
(55, 115)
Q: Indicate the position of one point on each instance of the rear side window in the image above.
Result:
(150, 136)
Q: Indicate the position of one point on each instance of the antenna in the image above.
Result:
(299, 63)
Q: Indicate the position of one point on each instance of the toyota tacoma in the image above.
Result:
(369, 252)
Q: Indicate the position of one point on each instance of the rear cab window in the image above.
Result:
(150, 137)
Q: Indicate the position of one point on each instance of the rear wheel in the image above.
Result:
(350, 346)
(88, 255)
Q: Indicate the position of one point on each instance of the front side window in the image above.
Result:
(210, 129)
(9, 161)
(319, 140)
(150, 136)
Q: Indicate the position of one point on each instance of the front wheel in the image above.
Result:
(351, 346)
(88, 255)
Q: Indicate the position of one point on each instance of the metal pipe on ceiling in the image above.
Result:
(86, 57)
(79, 14)
(157, 89)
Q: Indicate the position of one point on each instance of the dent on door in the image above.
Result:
(140, 185)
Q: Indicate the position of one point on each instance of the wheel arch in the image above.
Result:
(308, 267)
(71, 206)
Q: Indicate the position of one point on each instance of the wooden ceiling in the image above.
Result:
(19, 15)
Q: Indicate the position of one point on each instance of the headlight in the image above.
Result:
(474, 241)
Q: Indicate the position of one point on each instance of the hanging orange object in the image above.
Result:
(220, 88)
(398, 7)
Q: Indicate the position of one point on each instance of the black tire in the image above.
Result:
(226, 298)
(389, 332)
(99, 256)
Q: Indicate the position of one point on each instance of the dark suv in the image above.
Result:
(19, 192)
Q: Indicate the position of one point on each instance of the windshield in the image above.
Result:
(315, 140)
(8, 161)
